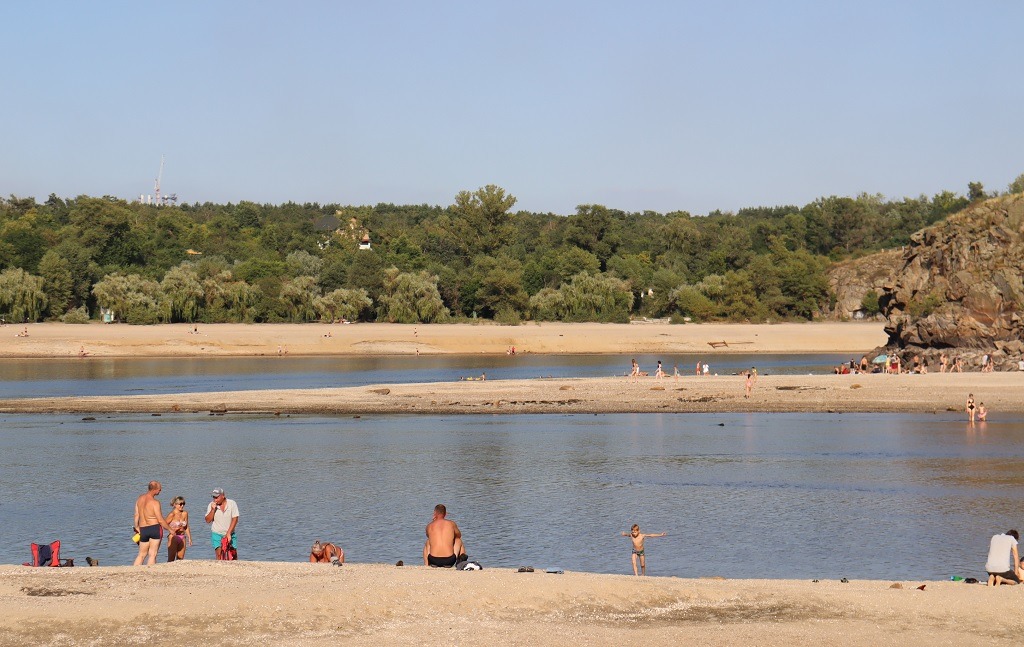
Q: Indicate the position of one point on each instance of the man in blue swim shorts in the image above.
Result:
(222, 515)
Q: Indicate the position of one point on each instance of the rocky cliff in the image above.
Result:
(851, 281)
(959, 286)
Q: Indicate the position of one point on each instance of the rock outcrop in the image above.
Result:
(959, 286)
(851, 281)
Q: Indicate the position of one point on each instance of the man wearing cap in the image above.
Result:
(222, 515)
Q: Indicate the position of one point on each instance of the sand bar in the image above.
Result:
(213, 340)
(260, 603)
(932, 393)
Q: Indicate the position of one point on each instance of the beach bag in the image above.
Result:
(228, 552)
(45, 554)
(468, 566)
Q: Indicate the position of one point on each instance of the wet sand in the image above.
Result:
(254, 603)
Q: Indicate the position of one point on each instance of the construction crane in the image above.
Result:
(158, 199)
(156, 190)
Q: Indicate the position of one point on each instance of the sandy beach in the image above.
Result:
(932, 393)
(177, 340)
(256, 603)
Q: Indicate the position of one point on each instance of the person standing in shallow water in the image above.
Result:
(970, 408)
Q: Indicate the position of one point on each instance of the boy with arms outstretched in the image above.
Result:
(638, 546)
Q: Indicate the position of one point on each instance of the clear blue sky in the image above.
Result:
(635, 105)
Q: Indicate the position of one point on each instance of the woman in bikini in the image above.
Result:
(181, 534)
(970, 406)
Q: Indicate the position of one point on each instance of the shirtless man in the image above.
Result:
(444, 541)
(149, 522)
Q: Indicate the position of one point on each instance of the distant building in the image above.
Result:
(364, 242)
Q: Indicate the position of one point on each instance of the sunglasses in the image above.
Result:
(180, 503)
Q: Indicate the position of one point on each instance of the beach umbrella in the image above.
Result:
(880, 359)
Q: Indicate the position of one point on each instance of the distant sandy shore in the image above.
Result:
(176, 340)
(932, 393)
(261, 603)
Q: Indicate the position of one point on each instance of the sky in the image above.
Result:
(641, 105)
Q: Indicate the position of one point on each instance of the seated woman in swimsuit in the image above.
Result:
(181, 534)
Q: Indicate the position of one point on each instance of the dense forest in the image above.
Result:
(66, 259)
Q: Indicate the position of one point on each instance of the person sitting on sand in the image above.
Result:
(326, 553)
(444, 546)
(1003, 564)
(638, 546)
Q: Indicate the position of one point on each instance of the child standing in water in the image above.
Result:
(638, 546)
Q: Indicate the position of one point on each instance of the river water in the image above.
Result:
(740, 495)
(95, 376)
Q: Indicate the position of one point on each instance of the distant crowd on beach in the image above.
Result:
(892, 363)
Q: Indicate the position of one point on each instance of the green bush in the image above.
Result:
(76, 316)
(508, 317)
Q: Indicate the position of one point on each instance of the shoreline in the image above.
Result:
(46, 340)
(220, 603)
(935, 393)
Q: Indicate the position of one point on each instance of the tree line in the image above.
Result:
(64, 259)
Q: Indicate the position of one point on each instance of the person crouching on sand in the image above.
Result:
(638, 546)
(326, 553)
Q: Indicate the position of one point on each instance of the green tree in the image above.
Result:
(976, 191)
(410, 298)
(486, 210)
(597, 298)
(133, 299)
(870, 303)
(501, 288)
(342, 304)
(183, 294)
(1017, 186)
(547, 305)
(57, 282)
(22, 297)
(298, 296)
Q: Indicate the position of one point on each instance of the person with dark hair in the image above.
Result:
(444, 547)
(1003, 563)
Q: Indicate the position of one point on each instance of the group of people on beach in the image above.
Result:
(149, 524)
